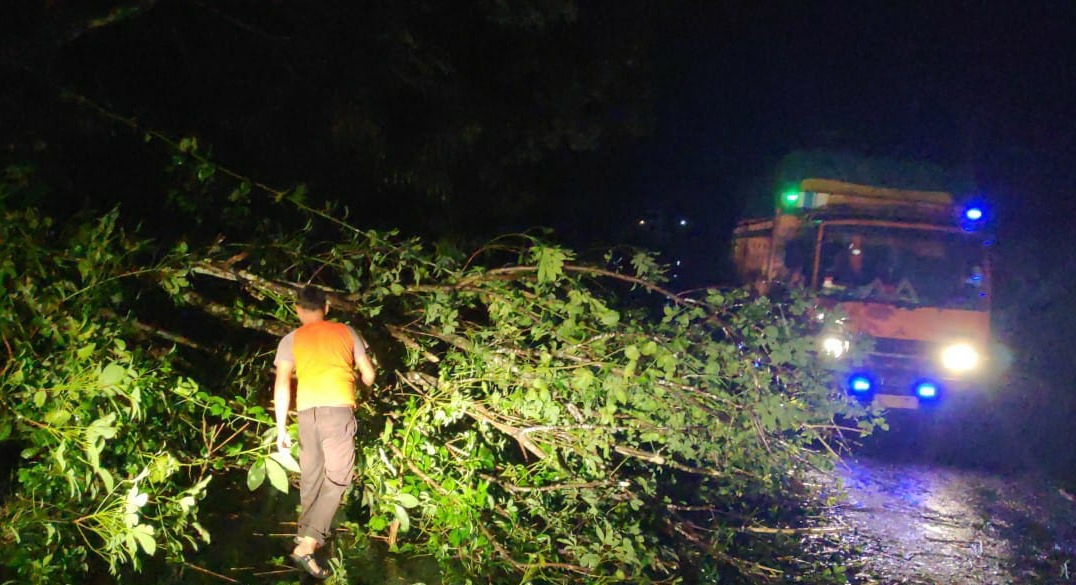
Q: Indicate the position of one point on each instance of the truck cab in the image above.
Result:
(908, 270)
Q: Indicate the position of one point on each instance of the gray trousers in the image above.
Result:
(327, 462)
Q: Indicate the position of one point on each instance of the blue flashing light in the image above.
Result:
(926, 390)
(860, 384)
(973, 213)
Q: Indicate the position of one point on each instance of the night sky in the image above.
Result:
(983, 86)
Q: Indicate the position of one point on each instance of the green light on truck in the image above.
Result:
(791, 198)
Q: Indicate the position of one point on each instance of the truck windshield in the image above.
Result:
(913, 266)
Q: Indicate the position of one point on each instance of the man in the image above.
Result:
(323, 355)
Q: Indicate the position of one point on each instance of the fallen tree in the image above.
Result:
(539, 416)
(557, 418)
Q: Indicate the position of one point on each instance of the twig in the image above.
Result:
(277, 572)
(808, 530)
(592, 271)
(163, 334)
(440, 489)
(664, 461)
(524, 567)
(547, 488)
(210, 573)
(410, 343)
(479, 413)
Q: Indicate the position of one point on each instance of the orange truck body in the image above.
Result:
(909, 271)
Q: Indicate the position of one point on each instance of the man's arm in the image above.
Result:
(366, 368)
(282, 402)
(362, 359)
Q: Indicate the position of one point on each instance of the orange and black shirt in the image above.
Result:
(324, 354)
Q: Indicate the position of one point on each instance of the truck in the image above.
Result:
(907, 270)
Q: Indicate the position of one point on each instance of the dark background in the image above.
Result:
(461, 120)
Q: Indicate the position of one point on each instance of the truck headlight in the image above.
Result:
(960, 357)
(834, 346)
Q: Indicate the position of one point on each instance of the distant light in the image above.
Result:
(683, 222)
(677, 262)
(926, 390)
(973, 213)
(860, 384)
(791, 197)
(642, 222)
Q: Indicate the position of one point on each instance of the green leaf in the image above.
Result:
(85, 351)
(143, 533)
(112, 374)
(40, 397)
(135, 499)
(631, 352)
(407, 500)
(101, 428)
(106, 478)
(256, 475)
(650, 348)
(378, 523)
(57, 416)
(401, 515)
(610, 318)
(205, 171)
(550, 263)
(278, 477)
(286, 461)
(582, 379)
(298, 194)
(202, 532)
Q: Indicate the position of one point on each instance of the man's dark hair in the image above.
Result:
(311, 299)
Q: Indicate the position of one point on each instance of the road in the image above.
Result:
(986, 515)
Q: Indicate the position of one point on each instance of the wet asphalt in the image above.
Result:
(970, 495)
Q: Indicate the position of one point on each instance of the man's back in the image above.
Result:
(324, 354)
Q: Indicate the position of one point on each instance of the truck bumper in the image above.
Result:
(907, 384)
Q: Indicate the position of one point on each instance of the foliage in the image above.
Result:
(116, 447)
(539, 416)
(554, 419)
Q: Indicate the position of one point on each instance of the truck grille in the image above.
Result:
(900, 347)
